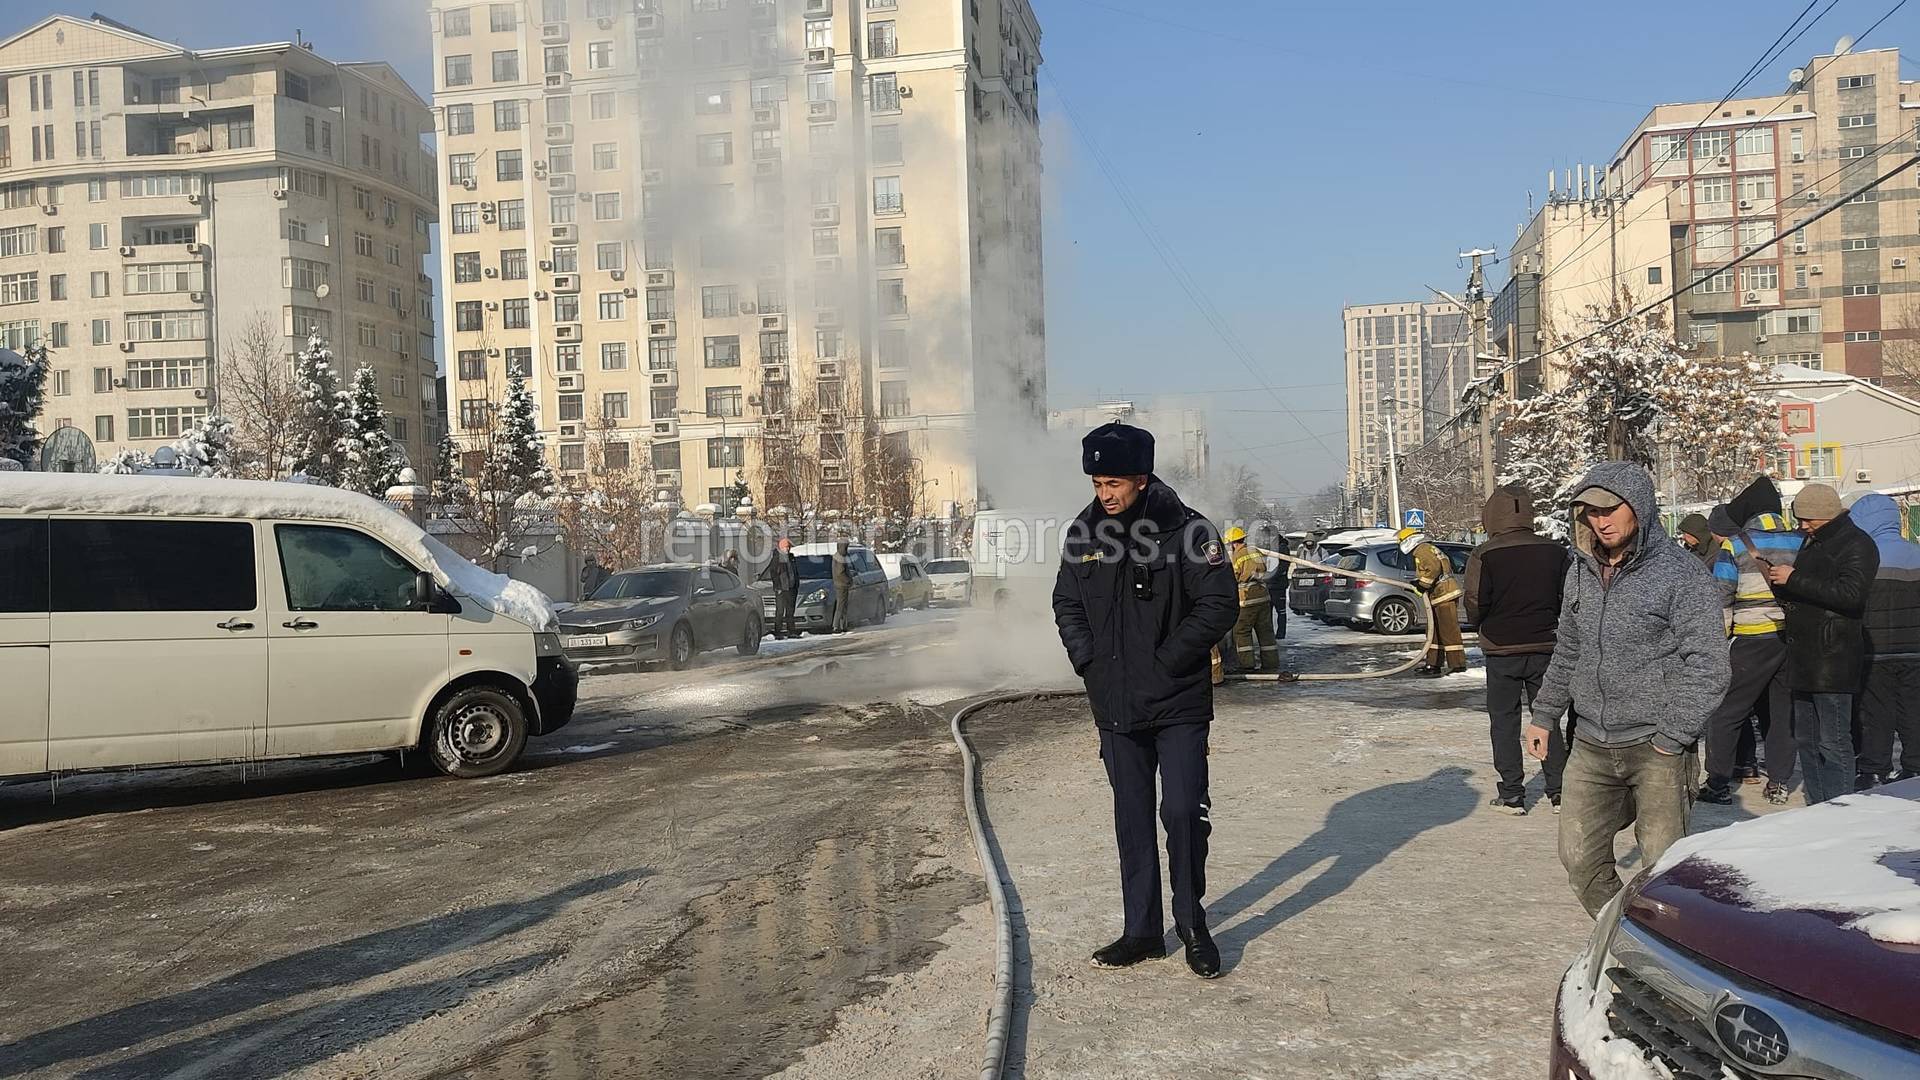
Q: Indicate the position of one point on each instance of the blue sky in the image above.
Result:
(1291, 157)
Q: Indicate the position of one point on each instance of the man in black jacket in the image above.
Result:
(786, 589)
(1514, 582)
(1143, 593)
(1826, 599)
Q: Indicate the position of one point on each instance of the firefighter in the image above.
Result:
(1254, 646)
(1433, 576)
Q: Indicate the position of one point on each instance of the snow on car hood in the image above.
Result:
(1857, 857)
(86, 493)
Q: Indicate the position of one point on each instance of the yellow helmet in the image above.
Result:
(1236, 535)
(1405, 534)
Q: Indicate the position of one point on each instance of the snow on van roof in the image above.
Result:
(184, 496)
(1831, 857)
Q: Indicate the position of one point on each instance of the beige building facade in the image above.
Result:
(155, 201)
(1844, 431)
(788, 244)
(1407, 365)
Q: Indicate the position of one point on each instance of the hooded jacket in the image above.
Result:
(1514, 579)
(1826, 601)
(1642, 656)
(1140, 600)
(1738, 570)
(1893, 605)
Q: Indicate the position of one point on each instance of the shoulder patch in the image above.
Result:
(1216, 556)
(1092, 556)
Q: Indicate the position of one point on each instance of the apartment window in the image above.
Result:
(663, 402)
(99, 284)
(826, 343)
(613, 305)
(1792, 321)
(167, 326)
(369, 335)
(57, 290)
(724, 402)
(1872, 289)
(56, 238)
(472, 364)
(1712, 189)
(507, 165)
(460, 167)
(613, 406)
(1703, 330)
(25, 240)
(466, 219)
(560, 209)
(506, 66)
(1863, 335)
(457, 22)
(1759, 277)
(466, 268)
(609, 256)
(662, 354)
(613, 356)
(723, 352)
(306, 275)
(887, 198)
(559, 111)
(831, 394)
(1858, 120)
(659, 303)
(513, 215)
(1855, 82)
(1800, 276)
(393, 302)
(1708, 145)
(467, 315)
(1755, 142)
(566, 259)
(102, 331)
(1850, 153)
(888, 247)
(473, 414)
(1865, 196)
(573, 406)
(726, 453)
(715, 149)
(1667, 148)
(774, 348)
(513, 264)
(1859, 243)
(893, 296)
(606, 206)
(566, 357)
(520, 362)
(881, 41)
(1755, 233)
(599, 55)
(103, 428)
(509, 115)
(826, 241)
(459, 70)
(555, 59)
(170, 422)
(501, 17)
(719, 301)
(893, 349)
(1653, 275)
(886, 145)
(616, 456)
(1758, 188)
(364, 289)
(657, 252)
(566, 307)
(460, 119)
(606, 156)
(894, 401)
(19, 288)
(600, 105)
(97, 237)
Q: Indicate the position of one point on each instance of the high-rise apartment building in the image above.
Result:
(1838, 293)
(1406, 367)
(790, 244)
(156, 202)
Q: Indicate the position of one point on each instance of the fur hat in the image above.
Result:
(1117, 450)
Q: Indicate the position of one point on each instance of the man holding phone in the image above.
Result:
(1758, 540)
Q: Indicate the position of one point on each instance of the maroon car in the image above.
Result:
(1787, 946)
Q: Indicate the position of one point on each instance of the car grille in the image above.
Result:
(1657, 1025)
(597, 628)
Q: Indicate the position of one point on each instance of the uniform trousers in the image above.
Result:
(1178, 752)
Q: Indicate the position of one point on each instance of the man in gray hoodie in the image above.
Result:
(1641, 662)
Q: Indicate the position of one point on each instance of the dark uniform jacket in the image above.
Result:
(1514, 579)
(779, 573)
(1139, 618)
(1826, 609)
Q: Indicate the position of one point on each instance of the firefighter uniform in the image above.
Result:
(1433, 576)
(1254, 646)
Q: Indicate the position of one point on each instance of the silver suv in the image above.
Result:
(1389, 609)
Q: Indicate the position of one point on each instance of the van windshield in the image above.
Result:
(808, 567)
(648, 583)
(949, 566)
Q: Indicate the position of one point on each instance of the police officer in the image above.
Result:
(1143, 592)
(1433, 575)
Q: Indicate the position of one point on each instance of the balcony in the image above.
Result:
(894, 203)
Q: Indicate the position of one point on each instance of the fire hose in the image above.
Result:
(1357, 575)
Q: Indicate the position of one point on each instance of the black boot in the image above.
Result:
(1718, 790)
(1203, 956)
(1129, 951)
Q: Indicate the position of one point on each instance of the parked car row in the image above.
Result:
(1365, 604)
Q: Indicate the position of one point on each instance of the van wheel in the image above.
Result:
(1393, 617)
(680, 648)
(750, 641)
(477, 732)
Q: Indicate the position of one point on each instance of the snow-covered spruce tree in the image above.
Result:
(446, 487)
(209, 449)
(320, 427)
(372, 462)
(1629, 394)
(518, 465)
(128, 462)
(23, 392)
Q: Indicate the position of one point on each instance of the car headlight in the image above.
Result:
(817, 596)
(643, 622)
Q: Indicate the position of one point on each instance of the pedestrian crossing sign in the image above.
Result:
(1414, 519)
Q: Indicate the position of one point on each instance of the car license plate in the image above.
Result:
(587, 641)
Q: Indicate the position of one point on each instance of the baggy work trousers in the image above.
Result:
(1178, 752)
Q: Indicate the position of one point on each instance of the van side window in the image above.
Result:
(333, 569)
(23, 551)
(102, 564)
(724, 581)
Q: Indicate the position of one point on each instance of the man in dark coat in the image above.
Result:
(592, 576)
(786, 589)
(1826, 599)
(1513, 595)
(842, 589)
(1143, 593)
(1892, 703)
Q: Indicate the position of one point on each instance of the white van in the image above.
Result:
(1016, 557)
(150, 621)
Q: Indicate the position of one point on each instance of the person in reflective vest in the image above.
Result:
(1433, 576)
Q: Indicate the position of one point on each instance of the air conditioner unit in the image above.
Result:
(563, 234)
(1803, 474)
(49, 209)
(469, 183)
(559, 133)
(193, 200)
(566, 331)
(669, 478)
(490, 272)
(1753, 298)
(369, 213)
(1746, 204)
(1813, 194)
(127, 252)
(493, 352)
(279, 193)
(1760, 339)
(828, 267)
(749, 308)
(619, 275)
(569, 382)
(1799, 156)
(826, 215)
(553, 33)
(559, 82)
(768, 167)
(1863, 476)
(560, 184)
(200, 392)
(405, 313)
(667, 428)
(1721, 160)
(820, 110)
(647, 25)
(569, 431)
(827, 369)
(566, 283)
(773, 373)
(773, 323)
(629, 292)
(1800, 247)
(827, 317)
(539, 168)
(604, 24)
(663, 377)
(194, 248)
(906, 91)
(196, 298)
(831, 418)
(653, 177)
(493, 305)
(820, 58)
(834, 472)
(1815, 269)
(766, 116)
(539, 294)
(773, 424)
(126, 346)
(660, 328)
(659, 279)
(1899, 264)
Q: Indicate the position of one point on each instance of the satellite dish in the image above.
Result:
(68, 450)
(1843, 46)
(322, 290)
(1797, 76)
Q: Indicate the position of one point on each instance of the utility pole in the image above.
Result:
(1393, 463)
(1477, 314)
